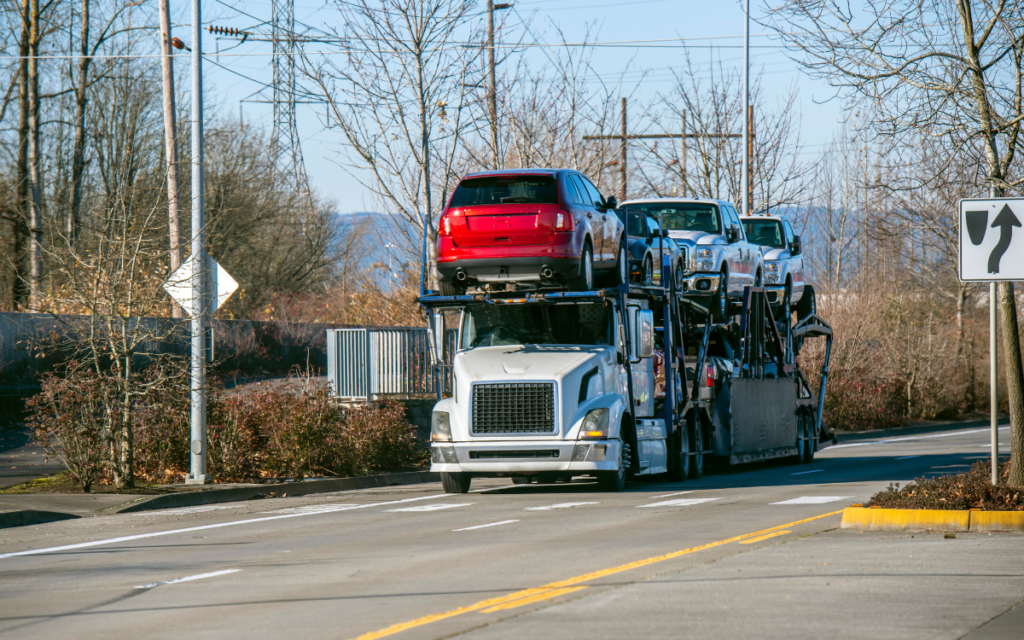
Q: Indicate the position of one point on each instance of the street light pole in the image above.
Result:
(745, 187)
(200, 305)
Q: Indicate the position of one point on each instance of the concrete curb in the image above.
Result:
(26, 517)
(931, 520)
(236, 494)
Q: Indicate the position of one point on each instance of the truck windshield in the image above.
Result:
(767, 233)
(695, 216)
(575, 324)
(476, 192)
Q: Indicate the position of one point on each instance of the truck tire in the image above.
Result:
(720, 301)
(585, 280)
(807, 305)
(522, 479)
(697, 459)
(808, 432)
(456, 482)
(682, 469)
(614, 481)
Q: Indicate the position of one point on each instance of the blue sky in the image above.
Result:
(614, 21)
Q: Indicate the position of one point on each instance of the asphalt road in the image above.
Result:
(748, 552)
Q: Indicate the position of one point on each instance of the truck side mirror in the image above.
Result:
(622, 344)
(435, 337)
(731, 234)
(795, 246)
(645, 333)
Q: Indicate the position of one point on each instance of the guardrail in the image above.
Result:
(367, 363)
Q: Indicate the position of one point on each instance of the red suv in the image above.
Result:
(548, 226)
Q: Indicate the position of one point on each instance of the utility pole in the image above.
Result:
(492, 83)
(745, 187)
(624, 136)
(170, 143)
(198, 474)
(750, 159)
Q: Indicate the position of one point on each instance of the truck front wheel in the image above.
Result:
(455, 482)
(613, 481)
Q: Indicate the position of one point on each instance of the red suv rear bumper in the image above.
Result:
(512, 263)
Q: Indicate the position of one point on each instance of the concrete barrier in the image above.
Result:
(869, 519)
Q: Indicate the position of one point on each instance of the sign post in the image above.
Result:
(200, 287)
(992, 250)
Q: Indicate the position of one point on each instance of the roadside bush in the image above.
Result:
(961, 491)
(857, 401)
(383, 440)
(70, 420)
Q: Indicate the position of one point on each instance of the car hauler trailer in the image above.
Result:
(624, 381)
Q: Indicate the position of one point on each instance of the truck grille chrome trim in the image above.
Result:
(513, 408)
(504, 455)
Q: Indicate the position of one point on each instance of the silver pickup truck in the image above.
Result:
(719, 260)
(783, 262)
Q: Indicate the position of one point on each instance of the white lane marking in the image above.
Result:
(564, 505)
(678, 493)
(940, 435)
(494, 488)
(813, 500)
(803, 473)
(681, 502)
(431, 507)
(312, 508)
(906, 457)
(157, 534)
(185, 510)
(188, 578)
(484, 526)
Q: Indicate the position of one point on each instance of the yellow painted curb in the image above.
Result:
(904, 519)
(997, 520)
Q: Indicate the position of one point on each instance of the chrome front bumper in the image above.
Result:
(524, 456)
(701, 284)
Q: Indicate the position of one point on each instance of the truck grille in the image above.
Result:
(514, 407)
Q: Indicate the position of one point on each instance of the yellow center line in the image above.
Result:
(545, 591)
(764, 537)
(547, 595)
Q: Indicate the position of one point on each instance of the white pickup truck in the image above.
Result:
(542, 391)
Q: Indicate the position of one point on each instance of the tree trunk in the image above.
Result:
(170, 144)
(78, 156)
(20, 227)
(961, 358)
(425, 169)
(35, 224)
(1014, 381)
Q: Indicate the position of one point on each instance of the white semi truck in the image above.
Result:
(628, 381)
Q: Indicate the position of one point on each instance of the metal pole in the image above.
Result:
(993, 329)
(682, 157)
(198, 473)
(746, 102)
(492, 99)
(622, 169)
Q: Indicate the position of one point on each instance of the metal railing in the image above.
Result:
(364, 364)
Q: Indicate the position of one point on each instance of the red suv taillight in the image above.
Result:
(563, 221)
(445, 226)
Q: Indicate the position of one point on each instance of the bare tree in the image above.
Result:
(398, 97)
(948, 69)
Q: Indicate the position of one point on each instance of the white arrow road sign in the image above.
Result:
(991, 239)
(179, 284)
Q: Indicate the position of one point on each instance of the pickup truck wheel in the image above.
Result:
(679, 275)
(456, 482)
(697, 459)
(647, 273)
(585, 280)
(807, 305)
(720, 302)
(614, 481)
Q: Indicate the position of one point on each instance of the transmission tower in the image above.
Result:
(287, 146)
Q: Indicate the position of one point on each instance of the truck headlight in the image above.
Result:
(705, 253)
(443, 455)
(705, 265)
(771, 267)
(771, 272)
(595, 424)
(440, 427)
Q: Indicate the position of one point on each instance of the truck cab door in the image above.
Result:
(642, 359)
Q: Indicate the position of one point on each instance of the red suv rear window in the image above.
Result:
(505, 190)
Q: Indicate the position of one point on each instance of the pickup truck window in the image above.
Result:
(505, 190)
(695, 216)
(767, 233)
(578, 324)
